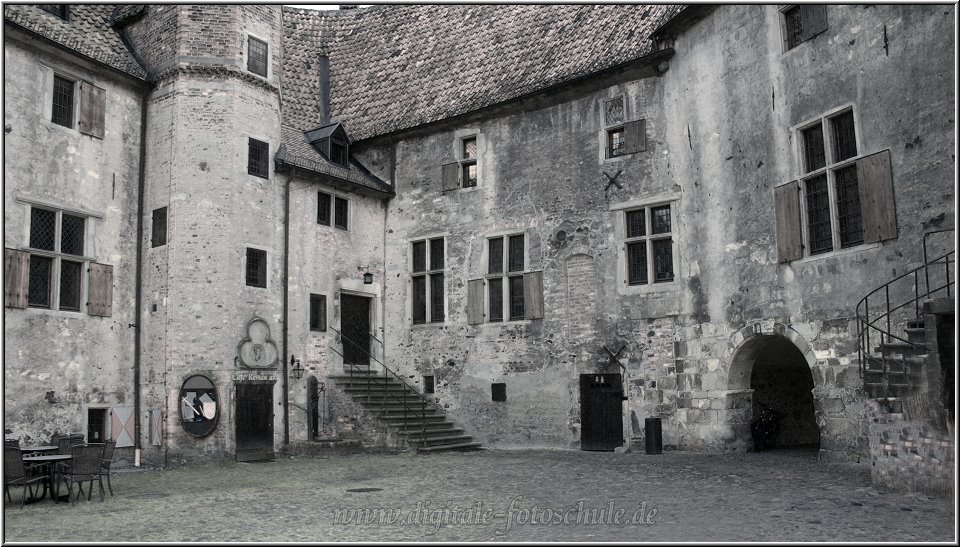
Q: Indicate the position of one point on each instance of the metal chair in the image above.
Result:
(85, 466)
(105, 461)
(15, 473)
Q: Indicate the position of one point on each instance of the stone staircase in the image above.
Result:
(893, 369)
(404, 411)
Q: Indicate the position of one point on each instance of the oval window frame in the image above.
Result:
(216, 418)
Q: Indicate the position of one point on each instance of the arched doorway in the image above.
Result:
(778, 375)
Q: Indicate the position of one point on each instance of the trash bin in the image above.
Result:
(652, 436)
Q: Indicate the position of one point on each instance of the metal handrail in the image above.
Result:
(424, 403)
(866, 324)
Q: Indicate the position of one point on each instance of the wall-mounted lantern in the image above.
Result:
(296, 367)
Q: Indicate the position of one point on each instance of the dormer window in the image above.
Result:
(332, 142)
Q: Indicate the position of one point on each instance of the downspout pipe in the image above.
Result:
(286, 307)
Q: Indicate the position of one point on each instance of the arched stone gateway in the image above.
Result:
(771, 365)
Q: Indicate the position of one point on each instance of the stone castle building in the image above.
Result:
(550, 222)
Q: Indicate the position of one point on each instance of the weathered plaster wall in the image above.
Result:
(57, 364)
(718, 141)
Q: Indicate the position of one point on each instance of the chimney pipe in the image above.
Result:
(324, 97)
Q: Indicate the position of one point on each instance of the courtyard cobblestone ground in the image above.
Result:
(772, 496)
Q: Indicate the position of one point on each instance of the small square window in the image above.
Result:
(258, 160)
(636, 224)
(614, 142)
(661, 219)
(428, 385)
(340, 213)
(158, 236)
(256, 268)
(338, 152)
(63, 91)
(470, 148)
(96, 425)
(813, 152)
(323, 208)
(613, 112)
(318, 312)
(257, 57)
(498, 392)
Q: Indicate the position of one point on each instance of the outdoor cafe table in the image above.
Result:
(47, 460)
(39, 449)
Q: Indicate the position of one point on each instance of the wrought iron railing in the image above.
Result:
(384, 394)
(878, 316)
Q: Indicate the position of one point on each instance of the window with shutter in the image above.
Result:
(63, 89)
(513, 292)
(16, 276)
(100, 290)
(622, 137)
(846, 199)
(93, 108)
(55, 262)
(801, 23)
(463, 173)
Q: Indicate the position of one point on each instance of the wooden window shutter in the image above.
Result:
(474, 301)
(93, 109)
(634, 136)
(100, 290)
(813, 20)
(451, 176)
(789, 236)
(16, 275)
(875, 183)
(533, 295)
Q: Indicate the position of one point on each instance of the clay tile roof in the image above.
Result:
(88, 32)
(299, 153)
(394, 67)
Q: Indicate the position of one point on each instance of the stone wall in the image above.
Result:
(59, 364)
(718, 140)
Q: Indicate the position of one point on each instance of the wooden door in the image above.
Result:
(254, 419)
(601, 411)
(355, 325)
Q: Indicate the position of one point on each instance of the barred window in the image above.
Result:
(56, 244)
(257, 56)
(256, 271)
(468, 162)
(63, 100)
(428, 281)
(648, 246)
(318, 312)
(323, 208)
(514, 256)
(258, 159)
(340, 213)
(831, 211)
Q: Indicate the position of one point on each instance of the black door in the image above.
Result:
(313, 408)
(601, 411)
(355, 325)
(254, 422)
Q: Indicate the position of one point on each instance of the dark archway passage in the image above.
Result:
(780, 378)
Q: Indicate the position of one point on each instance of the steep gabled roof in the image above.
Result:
(395, 67)
(88, 32)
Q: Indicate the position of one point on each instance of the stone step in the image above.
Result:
(459, 446)
(376, 398)
(916, 335)
(901, 348)
(417, 436)
(400, 409)
(401, 420)
(364, 378)
(417, 427)
(374, 389)
(444, 439)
